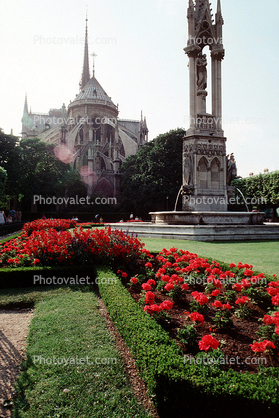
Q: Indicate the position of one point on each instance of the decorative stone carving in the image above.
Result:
(201, 71)
(187, 190)
(231, 169)
(188, 167)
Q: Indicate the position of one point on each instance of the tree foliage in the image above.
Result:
(33, 169)
(9, 160)
(3, 181)
(264, 187)
(154, 173)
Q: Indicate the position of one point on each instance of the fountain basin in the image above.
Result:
(207, 218)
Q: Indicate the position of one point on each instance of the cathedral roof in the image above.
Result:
(94, 91)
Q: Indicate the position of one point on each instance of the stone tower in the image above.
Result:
(100, 139)
(92, 125)
(89, 133)
(204, 146)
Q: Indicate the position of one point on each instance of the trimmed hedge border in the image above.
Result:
(184, 390)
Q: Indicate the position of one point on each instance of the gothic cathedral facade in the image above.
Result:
(89, 133)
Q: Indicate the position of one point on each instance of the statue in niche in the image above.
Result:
(188, 169)
(231, 169)
(201, 71)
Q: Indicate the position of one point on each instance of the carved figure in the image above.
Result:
(188, 169)
(231, 169)
(201, 72)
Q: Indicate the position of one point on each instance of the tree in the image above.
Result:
(32, 168)
(70, 184)
(9, 161)
(41, 173)
(154, 173)
(261, 191)
(3, 181)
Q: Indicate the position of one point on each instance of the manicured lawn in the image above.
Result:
(89, 378)
(264, 256)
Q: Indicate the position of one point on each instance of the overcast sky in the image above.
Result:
(141, 64)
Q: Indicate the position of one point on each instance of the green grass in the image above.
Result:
(67, 324)
(29, 296)
(264, 256)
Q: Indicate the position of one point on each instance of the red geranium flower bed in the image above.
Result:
(210, 308)
(57, 224)
(48, 242)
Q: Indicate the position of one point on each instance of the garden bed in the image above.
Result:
(184, 319)
(178, 386)
(230, 304)
(237, 338)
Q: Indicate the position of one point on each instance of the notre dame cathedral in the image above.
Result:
(89, 133)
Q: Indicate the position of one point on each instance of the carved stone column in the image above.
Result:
(192, 51)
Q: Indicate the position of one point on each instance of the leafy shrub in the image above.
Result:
(188, 335)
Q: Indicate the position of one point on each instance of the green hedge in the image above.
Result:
(184, 390)
(262, 186)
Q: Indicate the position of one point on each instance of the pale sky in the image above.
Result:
(141, 64)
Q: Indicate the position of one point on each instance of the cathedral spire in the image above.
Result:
(94, 56)
(25, 109)
(218, 18)
(85, 72)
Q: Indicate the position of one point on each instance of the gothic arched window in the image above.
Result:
(215, 173)
(202, 173)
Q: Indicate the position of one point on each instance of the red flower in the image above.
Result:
(275, 300)
(260, 347)
(134, 280)
(200, 297)
(245, 283)
(215, 292)
(149, 298)
(166, 305)
(123, 274)
(146, 286)
(242, 300)
(169, 286)
(151, 309)
(217, 304)
(274, 284)
(270, 320)
(232, 265)
(184, 286)
(272, 291)
(148, 265)
(151, 282)
(197, 317)
(237, 287)
(208, 342)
